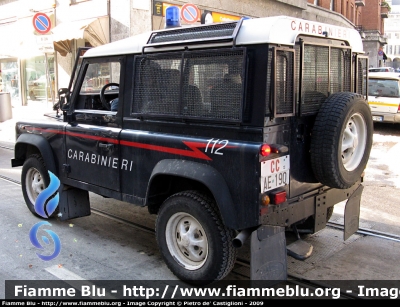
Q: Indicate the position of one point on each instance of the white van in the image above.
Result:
(384, 96)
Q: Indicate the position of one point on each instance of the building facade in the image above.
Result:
(36, 62)
(392, 32)
(373, 29)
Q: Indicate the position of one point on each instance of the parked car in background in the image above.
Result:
(384, 96)
(381, 69)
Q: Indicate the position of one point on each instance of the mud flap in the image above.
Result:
(352, 213)
(73, 203)
(268, 254)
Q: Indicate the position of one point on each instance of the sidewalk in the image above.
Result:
(34, 110)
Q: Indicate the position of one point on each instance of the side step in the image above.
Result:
(299, 249)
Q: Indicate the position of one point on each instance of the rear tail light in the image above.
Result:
(274, 198)
(398, 109)
(265, 150)
(279, 197)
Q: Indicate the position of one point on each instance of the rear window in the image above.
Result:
(383, 87)
(381, 69)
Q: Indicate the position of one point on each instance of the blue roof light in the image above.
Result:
(172, 18)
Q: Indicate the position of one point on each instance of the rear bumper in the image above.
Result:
(314, 204)
(386, 117)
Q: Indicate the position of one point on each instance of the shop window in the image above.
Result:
(39, 78)
(9, 77)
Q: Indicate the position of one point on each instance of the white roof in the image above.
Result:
(277, 30)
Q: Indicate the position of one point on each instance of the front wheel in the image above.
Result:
(193, 241)
(34, 179)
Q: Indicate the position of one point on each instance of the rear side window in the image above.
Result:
(383, 87)
(206, 85)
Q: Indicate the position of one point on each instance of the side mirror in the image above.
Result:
(63, 99)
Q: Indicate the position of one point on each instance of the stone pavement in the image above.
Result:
(34, 110)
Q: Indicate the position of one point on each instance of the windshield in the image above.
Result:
(383, 87)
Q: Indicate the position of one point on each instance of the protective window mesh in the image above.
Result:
(284, 87)
(196, 33)
(325, 71)
(197, 85)
(340, 70)
(269, 88)
(155, 90)
(315, 78)
(362, 64)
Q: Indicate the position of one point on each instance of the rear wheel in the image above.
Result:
(193, 241)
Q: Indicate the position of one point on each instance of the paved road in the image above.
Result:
(99, 248)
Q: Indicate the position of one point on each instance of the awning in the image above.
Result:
(93, 30)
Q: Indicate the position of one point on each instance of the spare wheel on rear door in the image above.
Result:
(341, 140)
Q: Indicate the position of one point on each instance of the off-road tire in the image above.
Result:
(34, 179)
(341, 140)
(194, 243)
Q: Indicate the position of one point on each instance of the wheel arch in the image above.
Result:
(172, 176)
(28, 144)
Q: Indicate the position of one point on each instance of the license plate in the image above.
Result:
(274, 173)
(377, 118)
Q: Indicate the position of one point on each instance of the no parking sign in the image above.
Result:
(41, 23)
(190, 13)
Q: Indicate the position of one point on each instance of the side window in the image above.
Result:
(99, 76)
(206, 85)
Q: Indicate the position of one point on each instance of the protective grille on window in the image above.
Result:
(196, 33)
(284, 86)
(269, 91)
(340, 70)
(315, 78)
(211, 85)
(361, 76)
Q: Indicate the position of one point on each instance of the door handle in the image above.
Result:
(106, 145)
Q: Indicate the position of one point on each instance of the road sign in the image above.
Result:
(41, 23)
(190, 13)
(380, 52)
(45, 43)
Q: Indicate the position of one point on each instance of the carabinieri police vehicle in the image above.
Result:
(229, 131)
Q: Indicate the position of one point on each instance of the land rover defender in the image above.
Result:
(228, 132)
